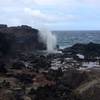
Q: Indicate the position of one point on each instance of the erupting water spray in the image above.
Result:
(49, 39)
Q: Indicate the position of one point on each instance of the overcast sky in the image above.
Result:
(53, 14)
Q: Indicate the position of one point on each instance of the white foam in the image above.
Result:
(80, 56)
(90, 64)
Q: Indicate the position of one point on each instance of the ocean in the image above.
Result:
(69, 38)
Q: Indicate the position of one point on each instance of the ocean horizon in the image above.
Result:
(71, 37)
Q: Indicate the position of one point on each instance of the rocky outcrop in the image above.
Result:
(19, 39)
(89, 50)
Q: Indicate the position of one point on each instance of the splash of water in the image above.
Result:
(49, 39)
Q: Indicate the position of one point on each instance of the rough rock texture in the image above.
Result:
(88, 50)
(19, 39)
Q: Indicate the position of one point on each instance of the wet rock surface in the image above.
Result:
(34, 78)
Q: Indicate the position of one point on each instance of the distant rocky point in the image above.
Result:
(90, 50)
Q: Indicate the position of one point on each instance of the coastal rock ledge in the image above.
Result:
(19, 39)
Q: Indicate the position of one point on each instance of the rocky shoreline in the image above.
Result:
(73, 74)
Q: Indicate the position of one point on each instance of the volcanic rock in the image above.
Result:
(19, 39)
(89, 50)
